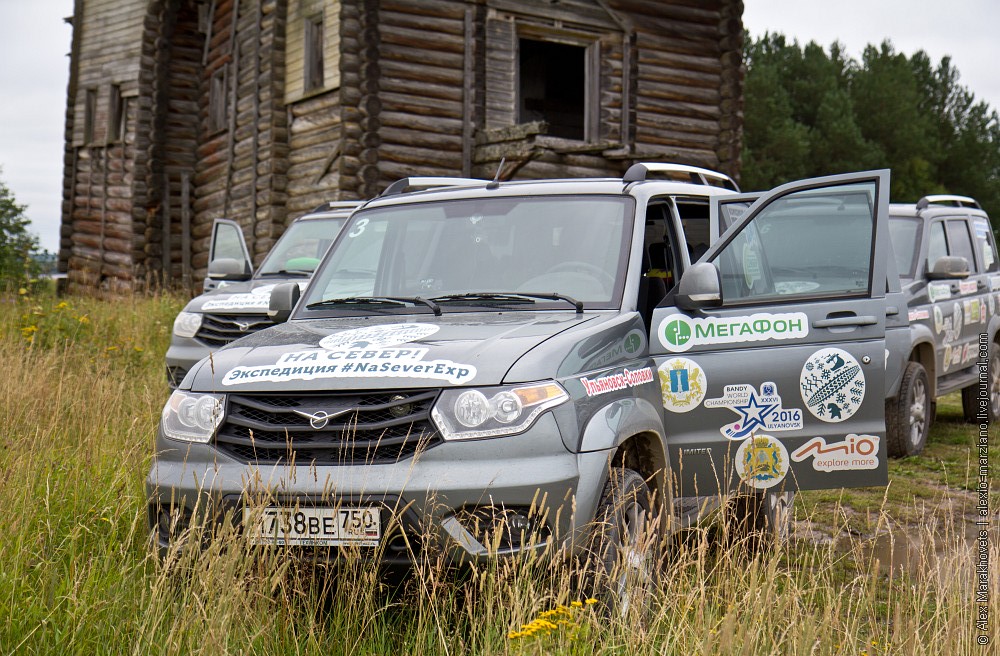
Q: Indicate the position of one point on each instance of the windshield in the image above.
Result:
(489, 248)
(904, 234)
(301, 248)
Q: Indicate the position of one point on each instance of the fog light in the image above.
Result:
(503, 529)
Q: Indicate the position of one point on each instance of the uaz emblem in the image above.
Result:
(320, 419)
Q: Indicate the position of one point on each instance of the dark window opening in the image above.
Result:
(314, 53)
(218, 104)
(553, 87)
(116, 114)
(89, 115)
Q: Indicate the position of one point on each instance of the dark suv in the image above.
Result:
(947, 263)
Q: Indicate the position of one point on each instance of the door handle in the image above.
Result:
(839, 322)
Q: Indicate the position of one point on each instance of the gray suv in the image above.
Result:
(236, 298)
(946, 258)
(495, 367)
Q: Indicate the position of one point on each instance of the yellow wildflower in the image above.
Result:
(62, 305)
(83, 318)
(576, 604)
(590, 601)
(22, 291)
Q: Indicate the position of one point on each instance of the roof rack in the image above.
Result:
(637, 173)
(417, 183)
(337, 205)
(949, 200)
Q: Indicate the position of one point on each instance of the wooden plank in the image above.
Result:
(165, 223)
(468, 99)
(186, 228)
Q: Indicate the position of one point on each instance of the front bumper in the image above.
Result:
(427, 500)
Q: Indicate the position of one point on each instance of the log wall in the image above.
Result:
(422, 89)
(411, 87)
(97, 233)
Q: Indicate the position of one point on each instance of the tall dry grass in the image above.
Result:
(79, 402)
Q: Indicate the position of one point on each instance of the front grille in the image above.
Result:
(369, 427)
(220, 329)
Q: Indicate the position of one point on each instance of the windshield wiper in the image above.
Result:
(518, 297)
(304, 273)
(377, 300)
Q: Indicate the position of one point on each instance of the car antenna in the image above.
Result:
(495, 183)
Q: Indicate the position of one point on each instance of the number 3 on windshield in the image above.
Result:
(359, 228)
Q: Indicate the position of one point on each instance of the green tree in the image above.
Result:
(17, 244)
(809, 112)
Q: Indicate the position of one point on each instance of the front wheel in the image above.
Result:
(988, 412)
(622, 567)
(763, 519)
(908, 415)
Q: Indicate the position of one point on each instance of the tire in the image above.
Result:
(762, 520)
(908, 414)
(970, 395)
(622, 556)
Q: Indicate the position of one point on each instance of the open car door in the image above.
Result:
(771, 351)
(228, 256)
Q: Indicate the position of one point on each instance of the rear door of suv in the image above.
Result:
(960, 308)
(781, 382)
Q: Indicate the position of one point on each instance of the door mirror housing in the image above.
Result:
(284, 298)
(949, 267)
(228, 268)
(700, 287)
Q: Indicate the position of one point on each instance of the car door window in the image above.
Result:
(808, 244)
(228, 242)
(985, 244)
(960, 243)
(937, 245)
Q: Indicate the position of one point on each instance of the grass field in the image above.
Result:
(870, 571)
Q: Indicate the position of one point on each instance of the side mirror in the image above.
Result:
(227, 268)
(283, 300)
(949, 267)
(699, 287)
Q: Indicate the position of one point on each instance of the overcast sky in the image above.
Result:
(34, 69)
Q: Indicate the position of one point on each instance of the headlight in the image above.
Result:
(493, 411)
(187, 324)
(192, 417)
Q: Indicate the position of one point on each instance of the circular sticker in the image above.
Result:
(634, 342)
(378, 336)
(957, 320)
(683, 384)
(675, 333)
(832, 384)
(938, 319)
(762, 462)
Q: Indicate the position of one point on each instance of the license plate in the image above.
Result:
(314, 526)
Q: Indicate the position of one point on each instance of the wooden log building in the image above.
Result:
(182, 111)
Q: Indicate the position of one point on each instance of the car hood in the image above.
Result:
(249, 297)
(380, 352)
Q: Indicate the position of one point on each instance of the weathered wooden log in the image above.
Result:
(677, 92)
(419, 157)
(393, 136)
(410, 103)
